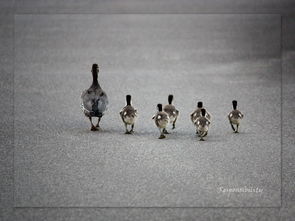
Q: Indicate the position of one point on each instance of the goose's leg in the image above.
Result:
(237, 130)
(93, 128)
(132, 128)
(126, 129)
(97, 125)
(162, 136)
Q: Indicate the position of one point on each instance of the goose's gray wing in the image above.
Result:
(102, 103)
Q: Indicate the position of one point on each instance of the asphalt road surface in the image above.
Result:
(213, 58)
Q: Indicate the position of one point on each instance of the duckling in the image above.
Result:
(197, 113)
(94, 100)
(172, 112)
(128, 115)
(161, 120)
(235, 116)
(202, 125)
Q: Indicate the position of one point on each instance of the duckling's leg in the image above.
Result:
(237, 130)
(93, 128)
(165, 131)
(202, 135)
(206, 133)
(132, 128)
(162, 136)
(173, 125)
(197, 132)
(126, 129)
(232, 126)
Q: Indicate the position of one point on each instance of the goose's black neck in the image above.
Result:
(128, 99)
(94, 76)
(159, 107)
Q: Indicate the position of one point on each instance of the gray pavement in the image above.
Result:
(285, 8)
(215, 58)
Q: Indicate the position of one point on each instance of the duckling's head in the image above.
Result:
(203, 112)
(170, 98)
(200, 104)
(235, 103)
(159, 107)
(128, 99)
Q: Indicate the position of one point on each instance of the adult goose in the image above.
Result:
(235, 117)
(128, 115)
(94, 100)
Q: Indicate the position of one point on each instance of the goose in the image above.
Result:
(202, 125)
(171, 111)
(94, 100)
(235, 116)
(128, 115)
(161, 120)
(197, 113)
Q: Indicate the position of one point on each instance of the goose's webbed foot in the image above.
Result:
(93, 128)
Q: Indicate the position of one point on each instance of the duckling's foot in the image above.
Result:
(93, 128)
(128, 132)
(165, 131)
(236, 132)
(131, 131)
(162, 136)
(173, 126)
(202, 139)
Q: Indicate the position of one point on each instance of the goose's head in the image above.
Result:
(95, 68)
(159, 107)
(200, 104)
(235, 104)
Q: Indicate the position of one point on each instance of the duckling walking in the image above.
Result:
(172, 112)
(235, 116)
(202, 125)
(161, 120)
(197, 113)
(94, 100)
(128, 115)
